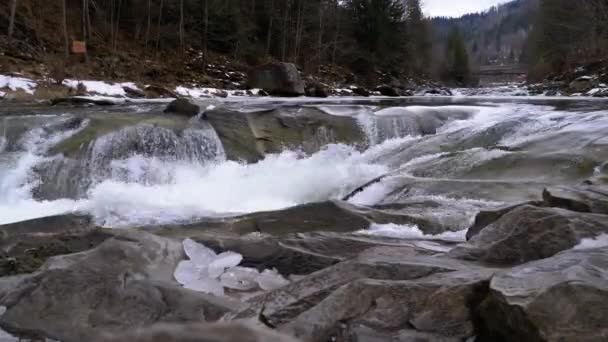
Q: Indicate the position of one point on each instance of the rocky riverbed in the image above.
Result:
(340, 219)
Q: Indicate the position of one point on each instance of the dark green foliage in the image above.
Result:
(457, 69)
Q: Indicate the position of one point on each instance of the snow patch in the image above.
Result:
(17, 83)
(101, 87)
(209, 272)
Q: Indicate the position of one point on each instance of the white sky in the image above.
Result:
(456, 8)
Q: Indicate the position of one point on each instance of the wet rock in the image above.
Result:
(587, 199)
(383, 263)
(124, 283)
(582, 84)
(530, 233)
(134, 92)
(96, 100)
(360, 91)
(317, 90)
(361, 333)
(251, 135)
(486, 217)
(25, 246)
(224, 332)
(157, 91)
(279, 79)
(386, 90)
(183, 107)
(442, 304)
(563, 298)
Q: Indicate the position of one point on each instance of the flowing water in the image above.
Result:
(465, 154)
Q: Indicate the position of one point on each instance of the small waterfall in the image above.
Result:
(134, 154)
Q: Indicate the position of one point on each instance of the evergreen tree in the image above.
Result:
(418, 38)
(457, 68)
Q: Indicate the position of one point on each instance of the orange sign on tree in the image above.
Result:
(79, 47)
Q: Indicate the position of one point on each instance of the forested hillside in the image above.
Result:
(367, 37)
(497, 36)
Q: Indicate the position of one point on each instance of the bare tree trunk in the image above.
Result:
(271, 21)
(117, 24)
(88, 11)
(320, 38)
(205, 33)
(65, 28)
(285, 21)
(181, 25)
(11, 24)
(149, 24)
(337, 33)
(112, 11)
(299, 28)
(160, 18)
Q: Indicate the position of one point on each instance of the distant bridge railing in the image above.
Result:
(496, 70)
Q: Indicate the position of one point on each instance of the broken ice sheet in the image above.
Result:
(209, 272)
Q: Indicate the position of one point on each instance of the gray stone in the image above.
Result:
(221, 332)
(530, 233)
(442, 304)
(250, 135)
(280, 79)
(582, 84)
(563, 298)
(587, 199)
(486, 217)
(183, 107)
(126, 282)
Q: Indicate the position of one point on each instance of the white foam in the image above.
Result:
(599, 241)
(410, 232)
(193, 190)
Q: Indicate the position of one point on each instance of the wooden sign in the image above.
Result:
(79, 47)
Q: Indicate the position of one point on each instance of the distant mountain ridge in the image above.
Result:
(495, 37)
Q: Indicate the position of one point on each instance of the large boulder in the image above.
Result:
(582, 84)
(488, 216)
(386, 90)
(587, 199)
(183, 107)
(564, 298)
(124, 283)
(250, 135)
(280, 79)
(530, 233)
(221, 332)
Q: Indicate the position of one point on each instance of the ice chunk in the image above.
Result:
(186, 272)
(222, 262)
(206, 285)
(199, 254)
(271, 279)
(240, 278)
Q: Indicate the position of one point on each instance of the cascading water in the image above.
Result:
(148, 174)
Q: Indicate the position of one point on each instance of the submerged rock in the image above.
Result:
(250, 135)
(183, 107)
(557, 299)
(280, 79)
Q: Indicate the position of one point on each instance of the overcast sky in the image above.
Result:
(456, 8)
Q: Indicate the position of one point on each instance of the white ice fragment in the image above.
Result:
(240, 278)
(199, 254)
(222, 262)
(16, 83)
(2, 94)
(271, 279)
(206, 285)
(186, 272)
(599, 241)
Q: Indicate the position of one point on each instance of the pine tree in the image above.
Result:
(457, 68)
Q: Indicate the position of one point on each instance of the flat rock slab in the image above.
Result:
(126, 282)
